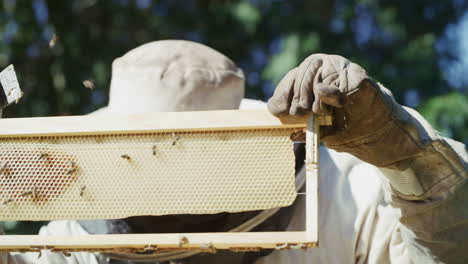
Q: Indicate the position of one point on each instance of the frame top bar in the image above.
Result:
(147, 123)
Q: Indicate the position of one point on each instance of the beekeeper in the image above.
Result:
(392, 189)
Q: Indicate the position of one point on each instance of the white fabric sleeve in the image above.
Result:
(356, 225)
(47, 257)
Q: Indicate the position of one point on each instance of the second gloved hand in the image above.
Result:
(367, 122)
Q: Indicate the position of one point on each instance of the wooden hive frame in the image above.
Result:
(181, 121)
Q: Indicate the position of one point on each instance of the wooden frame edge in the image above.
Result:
(141, 243)
(242, 241)
(149, 122)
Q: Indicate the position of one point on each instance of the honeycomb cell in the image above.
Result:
(121, 175)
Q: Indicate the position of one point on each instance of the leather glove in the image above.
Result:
(367, 122)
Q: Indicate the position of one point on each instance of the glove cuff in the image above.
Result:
(376, 129)
(417, 161)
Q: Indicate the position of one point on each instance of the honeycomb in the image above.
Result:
(114, 176)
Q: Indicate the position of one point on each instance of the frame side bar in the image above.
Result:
(312, 176)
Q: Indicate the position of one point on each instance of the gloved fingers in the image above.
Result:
(334, 64)
(330, 95)
(355, 74)
(280, 102)
(303, 104)
(320, 108)
(307, 74)
(343, 81)
(318, 84)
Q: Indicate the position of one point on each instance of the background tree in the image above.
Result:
(57, 45)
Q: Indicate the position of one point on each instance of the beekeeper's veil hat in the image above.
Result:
(174, 75)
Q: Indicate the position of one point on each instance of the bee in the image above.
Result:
(155, 150)
(19, 97)
(299, 246)
(72, 169)
(11, 91)
(82, 190)
(176, 139)
(53, 40)
(4, 166)
(208, 247)
(298, 136)
(125, 156)
(7, 201)
(282, 246)
(183, 240)
(27, 193)
(150, 249)
(32, 192)
(89, 84)
(43, 155)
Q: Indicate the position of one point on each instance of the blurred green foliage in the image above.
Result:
(56, 45)
(449, 113)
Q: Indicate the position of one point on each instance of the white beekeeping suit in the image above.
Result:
(408, 202)
(401, 202)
